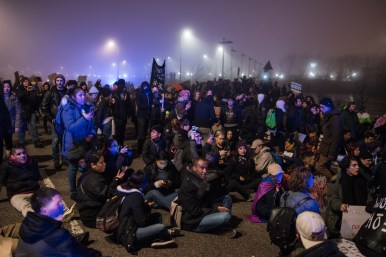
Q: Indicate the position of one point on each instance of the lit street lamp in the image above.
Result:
(224, 42)
(187, 33)
(110, 45)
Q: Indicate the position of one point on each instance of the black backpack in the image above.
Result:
(107, 218)
(282, 225)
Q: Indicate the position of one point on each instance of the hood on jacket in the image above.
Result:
(280, 104)
(36, 227)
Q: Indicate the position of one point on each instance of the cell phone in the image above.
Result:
(211, 136)
(194, 129)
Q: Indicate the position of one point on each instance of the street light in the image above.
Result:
(111, 44)
(224, 42)
(187, 33)
(232, 51)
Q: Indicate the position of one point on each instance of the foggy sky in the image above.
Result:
(45, 35)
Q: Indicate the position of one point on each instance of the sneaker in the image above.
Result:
(67, 216)
(162, 243)
(174, 232)
(227, 232)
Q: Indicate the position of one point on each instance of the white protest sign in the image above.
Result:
(352, 221)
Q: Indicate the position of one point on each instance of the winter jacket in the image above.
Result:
(51, 101)
(151, 149)
(41, 236)
(20, 178)
(204, 115)
(144, 101)
(350, 122)
(93, 191)
(29, 101)
(15, 111)
(77, 128)
(262, 160)
(332, 134)
(169, 173)
(196, 201)
(6, 126)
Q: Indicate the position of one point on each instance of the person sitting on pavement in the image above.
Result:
(93, 189)
(162, 181)
(311, 231)
(200, 211)
(350, 188)
(116, 158)
(136, 218)
(262, 157)
(41, 233)
(153, 145)
(240, 173)
(268, 194)
(21, 178)
(300, 184)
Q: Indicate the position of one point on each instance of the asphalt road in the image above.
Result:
(252, 241)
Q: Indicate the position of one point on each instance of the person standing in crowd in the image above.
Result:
(104, 114)
(144, 101)
(202, 213)
(262, 109)
(183, 104)
(157, 115)
(231, 117)
(28, 97)
(204, 115)
(15, 112)
(41, 233)
(294, 121)
(49, 106)
(121, 105)
(332, 137)
(79, 131)
(278, 134)
(350, 121)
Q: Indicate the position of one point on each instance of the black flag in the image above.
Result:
(158, 75)
(268, 67)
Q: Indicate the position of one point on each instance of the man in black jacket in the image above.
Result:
(21, 178)
(29, 100)
(49, 107)
(201, 212)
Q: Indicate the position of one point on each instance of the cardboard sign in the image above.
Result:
(352, 220)
(296, 87)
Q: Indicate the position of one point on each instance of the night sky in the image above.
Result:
(70, 37)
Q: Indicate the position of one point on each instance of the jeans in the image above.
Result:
(217, 219)
(160, 199)
(33, 130)
(72, 169)
(149, 233)
(55, 145)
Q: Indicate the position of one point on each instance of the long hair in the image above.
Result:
(299, 179)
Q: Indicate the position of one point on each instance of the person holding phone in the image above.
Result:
(79, 132)
(162, 181)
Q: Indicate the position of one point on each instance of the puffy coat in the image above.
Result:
(15, 111)
(332, 134)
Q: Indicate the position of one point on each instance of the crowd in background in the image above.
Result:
(200, 143)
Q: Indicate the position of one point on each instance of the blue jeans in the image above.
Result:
(72, 169)
(149, 233)
(160, 199)
(55, 145)
(217, 219)
(33, 130)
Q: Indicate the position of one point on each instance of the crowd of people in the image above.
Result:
(202, 145)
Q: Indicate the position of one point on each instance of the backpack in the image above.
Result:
(58, 123)
(282, 225)
(270, 120)
(175, 213)
(107, 218)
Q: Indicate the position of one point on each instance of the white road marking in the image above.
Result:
(75, 228)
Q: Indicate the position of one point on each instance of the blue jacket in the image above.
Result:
(76, 126)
